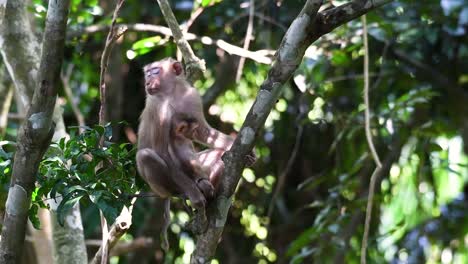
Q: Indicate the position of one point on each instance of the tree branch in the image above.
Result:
(374, 153)
(260, 56)
(248, 38)
(335, 17)
(288, 58)
(112, 36)
(117, 230)
(194, 66)
(69, 93)
(304, 30)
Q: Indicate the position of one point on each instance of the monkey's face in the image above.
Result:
(161, 76)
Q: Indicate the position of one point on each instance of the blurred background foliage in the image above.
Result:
(304, 199)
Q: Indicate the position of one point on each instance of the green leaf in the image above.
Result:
(302, 255)
(32, 214)
(99, 129)
(340, 58)
(108, 208)
(434, 147)
(303, 240)
(75, 189)
(66, 205)
(146, 43)
(206, 3)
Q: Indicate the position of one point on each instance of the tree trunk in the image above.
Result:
(68, 239)
(36, 131)
(20, 51)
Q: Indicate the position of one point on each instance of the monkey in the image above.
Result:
(168, 95)
(173, 118)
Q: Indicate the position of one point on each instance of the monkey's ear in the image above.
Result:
(177, 66)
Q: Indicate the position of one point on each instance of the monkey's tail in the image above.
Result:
(166, 223)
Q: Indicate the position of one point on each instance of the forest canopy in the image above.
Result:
(355, 113)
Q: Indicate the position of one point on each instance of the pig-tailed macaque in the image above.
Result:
(166, 159)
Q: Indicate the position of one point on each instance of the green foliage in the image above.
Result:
(146, 45)
(79, 168)
(415, 123)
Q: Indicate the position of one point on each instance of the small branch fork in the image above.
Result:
(374, 154)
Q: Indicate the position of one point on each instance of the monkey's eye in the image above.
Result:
(153, 71)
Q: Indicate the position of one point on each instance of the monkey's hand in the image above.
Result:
(250, 159)
(206, 187)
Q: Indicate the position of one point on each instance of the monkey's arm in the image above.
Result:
(211, 137)
(202, 132)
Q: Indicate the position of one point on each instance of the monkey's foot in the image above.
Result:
(250, 159)
(198, 224)
(206, 187)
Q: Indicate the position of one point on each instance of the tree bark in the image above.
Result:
(36, 131)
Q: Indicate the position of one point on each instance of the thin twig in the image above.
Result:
(185, 28)
(248, 38)
(120, 227)
(375, 156)
(195, 14)
(5, 109)
(282, 177)
(69, 93)
(112, 36)
(260, 16)
(16, 117)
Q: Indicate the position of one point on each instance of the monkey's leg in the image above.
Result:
(154, 171)
(199, 222)
(188, 188)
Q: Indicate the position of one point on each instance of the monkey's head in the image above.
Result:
(160, 76)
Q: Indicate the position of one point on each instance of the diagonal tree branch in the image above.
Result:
(194, 66)
(35, 133)
(288, 58)
(304, 30)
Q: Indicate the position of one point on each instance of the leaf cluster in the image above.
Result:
(79, 168)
